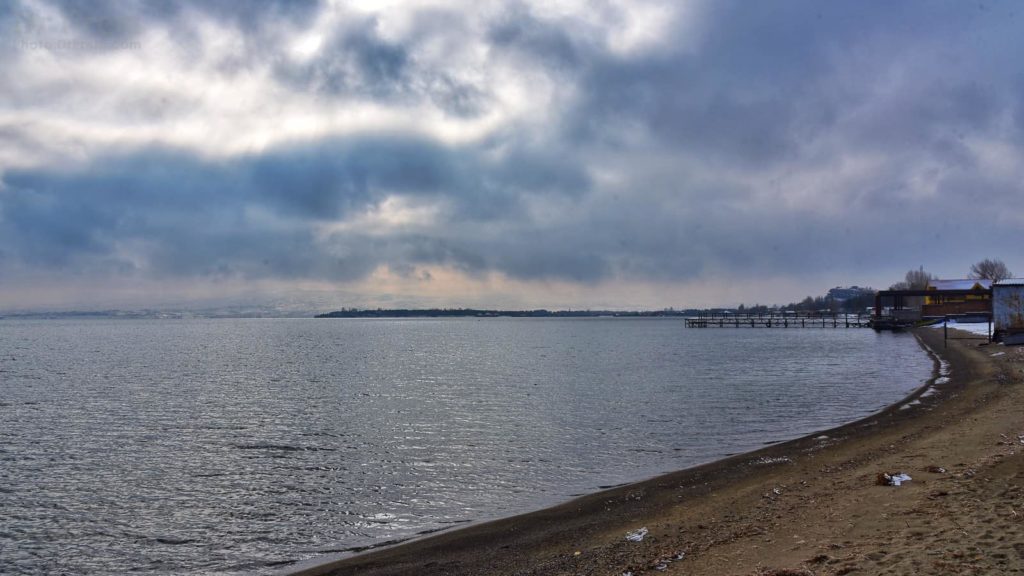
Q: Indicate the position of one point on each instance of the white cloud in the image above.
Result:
(208, 93)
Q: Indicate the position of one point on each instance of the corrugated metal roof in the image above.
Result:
(1011, 282)
(958, 284)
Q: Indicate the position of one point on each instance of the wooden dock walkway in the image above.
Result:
(778, 320)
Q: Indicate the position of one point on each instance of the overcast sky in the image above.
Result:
(561, 153)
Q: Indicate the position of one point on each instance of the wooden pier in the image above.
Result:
(778, 320)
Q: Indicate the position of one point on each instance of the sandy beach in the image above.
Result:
(809, 506)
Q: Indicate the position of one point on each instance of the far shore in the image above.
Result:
(812, 506)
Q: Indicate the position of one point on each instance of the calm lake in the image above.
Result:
(243, 446)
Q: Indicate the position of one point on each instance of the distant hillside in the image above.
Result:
(474, 313)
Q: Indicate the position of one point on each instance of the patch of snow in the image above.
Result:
(943, 368)
(979, 328)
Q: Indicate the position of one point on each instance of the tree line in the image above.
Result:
(856, 304)
(987, 269)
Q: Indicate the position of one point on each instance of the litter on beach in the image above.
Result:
(900, 478)
(766, 461)
(892, 479)
(636, 535)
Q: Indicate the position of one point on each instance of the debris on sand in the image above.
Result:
(636, 535)
(894, 479)
(768, 461)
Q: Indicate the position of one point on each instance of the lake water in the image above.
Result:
(242, 446)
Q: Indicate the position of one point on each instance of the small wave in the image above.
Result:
(283, 448)
(358, 549)
(175, 541)
(381, 517)
(433, 530)
(323, 434)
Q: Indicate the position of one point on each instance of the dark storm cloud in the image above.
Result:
(357, 61)
(549, 43)
(326, 180)
(766, 76)
(115, 20)
(768, 79)
(354, 61)
(254, 216)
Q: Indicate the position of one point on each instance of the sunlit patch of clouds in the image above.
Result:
(307, 45)
(394, 214)
(998, 158)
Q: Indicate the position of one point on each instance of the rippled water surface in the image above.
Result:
(242, 446)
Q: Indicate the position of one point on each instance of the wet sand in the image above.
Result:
(810, 506)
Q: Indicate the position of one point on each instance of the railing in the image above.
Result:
(778, 320)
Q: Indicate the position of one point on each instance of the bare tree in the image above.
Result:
(914, 280)
(994, 270)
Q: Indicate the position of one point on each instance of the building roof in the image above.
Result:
(1011, 282)
(959, 284)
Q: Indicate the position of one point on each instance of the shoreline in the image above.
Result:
(697, 513)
